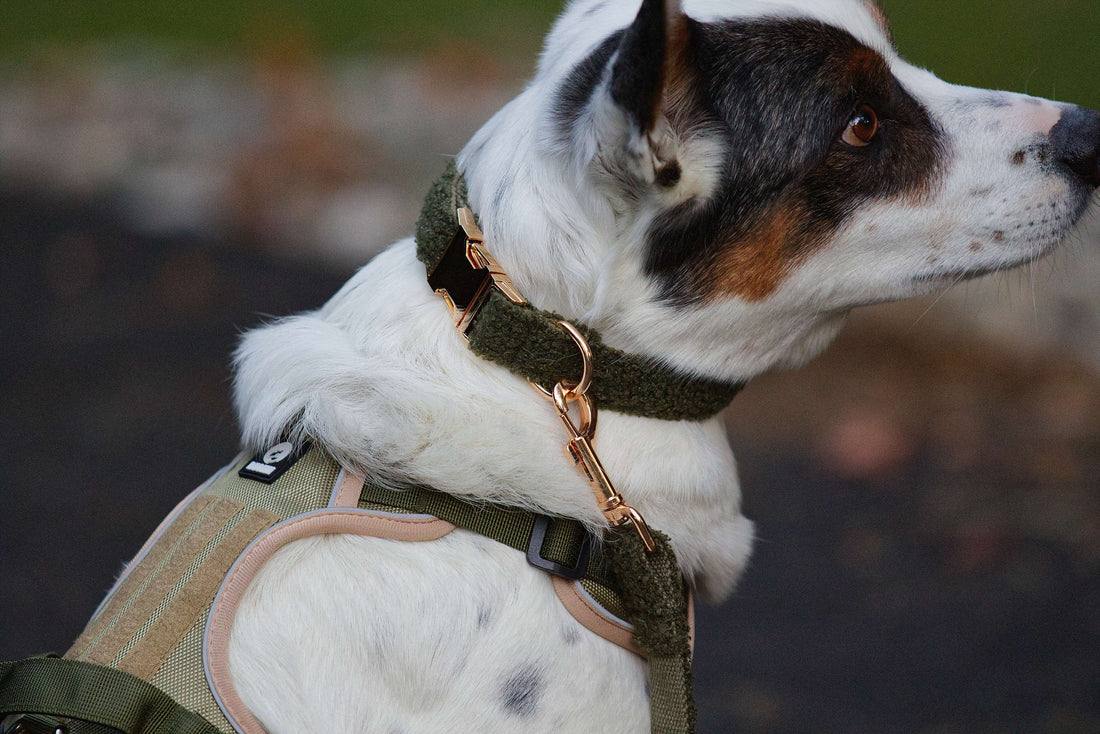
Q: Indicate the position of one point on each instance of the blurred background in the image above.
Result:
(927, 493)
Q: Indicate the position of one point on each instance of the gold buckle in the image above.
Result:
(466, 272)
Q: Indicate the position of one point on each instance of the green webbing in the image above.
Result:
(508, 526)
(79, 690)
(525, 340)
(656, 600)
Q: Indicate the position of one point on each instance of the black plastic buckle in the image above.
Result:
(536, 559)
(32, 724)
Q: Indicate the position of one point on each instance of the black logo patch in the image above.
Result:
(273, 463)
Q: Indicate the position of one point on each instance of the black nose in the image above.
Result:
(1076, 143)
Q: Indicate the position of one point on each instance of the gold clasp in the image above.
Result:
(466, 273)
(580, 448)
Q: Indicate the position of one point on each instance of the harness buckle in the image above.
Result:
(32, 724)
(534, 552)
(466, 273)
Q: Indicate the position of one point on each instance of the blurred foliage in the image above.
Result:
(1048, 48)
(1045, 48)
(332, 26)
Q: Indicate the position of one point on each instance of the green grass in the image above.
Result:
(1045, 47)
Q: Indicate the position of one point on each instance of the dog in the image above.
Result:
(713, 186)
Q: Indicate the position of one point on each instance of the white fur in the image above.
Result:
(358, 634)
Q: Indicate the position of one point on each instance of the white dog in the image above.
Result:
(713, 187)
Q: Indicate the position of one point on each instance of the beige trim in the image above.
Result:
(347, 494)
(576, 602)
(321, 522)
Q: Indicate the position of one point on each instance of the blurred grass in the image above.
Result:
(333, 26)
(1048, 47)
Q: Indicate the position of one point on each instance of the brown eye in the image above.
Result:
(862, 128)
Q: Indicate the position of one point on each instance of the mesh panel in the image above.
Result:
(183, 678)
(306, 486)
(207, 548)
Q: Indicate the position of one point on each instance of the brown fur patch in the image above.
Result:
(858, 61)
(754, 267)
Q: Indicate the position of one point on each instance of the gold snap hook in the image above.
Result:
(586, 407)
(579, 447)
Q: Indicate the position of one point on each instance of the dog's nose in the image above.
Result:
(1076, 142)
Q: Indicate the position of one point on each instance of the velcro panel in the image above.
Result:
(147, 584)
(194, 598)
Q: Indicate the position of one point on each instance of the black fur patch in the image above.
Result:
(521, 692)
(638, 74)
(782, 92)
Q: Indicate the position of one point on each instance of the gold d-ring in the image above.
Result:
(573, 390)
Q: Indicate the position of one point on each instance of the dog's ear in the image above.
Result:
(615, 105)
(646, 58)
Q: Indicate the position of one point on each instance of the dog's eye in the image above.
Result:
(862, 128)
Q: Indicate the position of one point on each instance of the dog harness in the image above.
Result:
(154, 657)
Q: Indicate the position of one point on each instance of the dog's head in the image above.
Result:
(718, 184)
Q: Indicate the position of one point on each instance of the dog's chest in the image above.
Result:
(501, 653)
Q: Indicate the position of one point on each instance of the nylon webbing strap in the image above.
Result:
(525, 340)
(510, 527)
(79, 690)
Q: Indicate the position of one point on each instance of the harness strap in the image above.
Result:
(93, 693)
(565, 543)
(525, 340)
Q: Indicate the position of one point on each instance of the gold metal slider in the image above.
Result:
(466, 273)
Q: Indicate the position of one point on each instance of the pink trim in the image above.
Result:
(319, 522)
(348, 489)
(151, 541)
(577, 603)
(691, 621)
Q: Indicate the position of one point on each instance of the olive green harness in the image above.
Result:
(153, 659)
